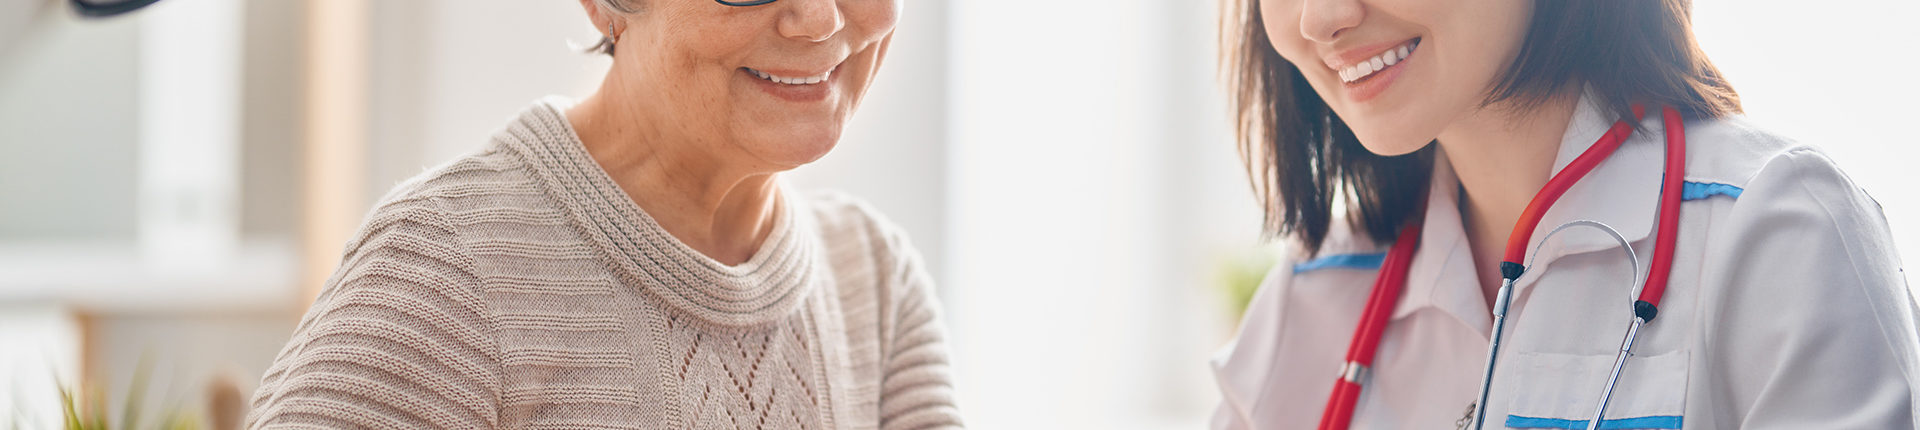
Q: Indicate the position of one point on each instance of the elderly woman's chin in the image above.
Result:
(792, 147)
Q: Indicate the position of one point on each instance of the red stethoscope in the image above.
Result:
(1393, 275)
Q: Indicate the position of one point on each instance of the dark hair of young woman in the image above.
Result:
(1303, 160)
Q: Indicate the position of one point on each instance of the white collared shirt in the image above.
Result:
(1786, 308)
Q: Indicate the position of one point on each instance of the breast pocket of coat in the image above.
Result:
(1562, 391)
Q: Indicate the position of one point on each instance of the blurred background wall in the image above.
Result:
(1065, 167)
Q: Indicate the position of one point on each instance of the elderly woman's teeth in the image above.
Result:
(1379, 62)
(791, 81)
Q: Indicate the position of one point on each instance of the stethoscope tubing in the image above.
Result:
(1503, 299)
(1650, 294)
(1647, 305)
(1345, 396)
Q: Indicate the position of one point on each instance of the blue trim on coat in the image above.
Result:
(1342, 261)
(1649, 422)
(1701, 190)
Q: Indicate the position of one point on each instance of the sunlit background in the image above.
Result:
(175, 184)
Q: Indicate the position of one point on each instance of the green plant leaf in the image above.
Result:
(97, 398)
(136, 393)
(68, 406)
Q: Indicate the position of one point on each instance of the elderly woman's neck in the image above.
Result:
(721, 207)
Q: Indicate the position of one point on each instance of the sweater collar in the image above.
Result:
(767, 287)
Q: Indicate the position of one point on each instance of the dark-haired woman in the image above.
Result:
(1436, 125)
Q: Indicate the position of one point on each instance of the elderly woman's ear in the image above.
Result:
(606, 21)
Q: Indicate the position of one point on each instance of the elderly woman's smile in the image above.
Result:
(795, 85)
(776, 77)
(771, 85)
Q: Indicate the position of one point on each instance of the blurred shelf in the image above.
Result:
(114, 277)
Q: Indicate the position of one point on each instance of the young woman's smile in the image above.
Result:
(1398, 72)
(1368, 71)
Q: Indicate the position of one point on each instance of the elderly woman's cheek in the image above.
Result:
(875, 18)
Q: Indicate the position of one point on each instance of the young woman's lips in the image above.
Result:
(1371, 85)
(798, 93)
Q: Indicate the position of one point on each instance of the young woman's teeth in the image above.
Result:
(1378, 62)
(791, 81)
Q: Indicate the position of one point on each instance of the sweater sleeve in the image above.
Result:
(916, 389)
(398, 338)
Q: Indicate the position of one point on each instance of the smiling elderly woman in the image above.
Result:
(632, 260)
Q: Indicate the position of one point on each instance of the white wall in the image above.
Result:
(447, 74)
(68, 109)
(42, 351)
(1094, 189)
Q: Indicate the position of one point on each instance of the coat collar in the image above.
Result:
(1622, 192)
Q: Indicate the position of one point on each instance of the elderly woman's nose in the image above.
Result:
(811, 20)
(1323, 20)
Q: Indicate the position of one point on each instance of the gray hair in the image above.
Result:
(618, 8)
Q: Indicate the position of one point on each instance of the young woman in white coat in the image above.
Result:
(1437, 125)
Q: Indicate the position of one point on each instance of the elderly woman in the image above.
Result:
(633, 260)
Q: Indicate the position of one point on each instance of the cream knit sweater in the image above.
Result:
(518, 287)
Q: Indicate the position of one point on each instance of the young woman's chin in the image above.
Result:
(1399, 129)
(1392, 142)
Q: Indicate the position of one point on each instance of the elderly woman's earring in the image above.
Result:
(611, 38)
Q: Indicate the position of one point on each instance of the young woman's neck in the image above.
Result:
(1502, 157)
(722, 207)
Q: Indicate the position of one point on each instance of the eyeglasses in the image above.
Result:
(106, 8)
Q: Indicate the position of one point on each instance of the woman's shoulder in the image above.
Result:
(843, 217)
(1798, 271)
(1344, 249)
(1761, 173)
(1734, 151)
(430, 216)
(492, 169)
(1243, 367)
(491, 174)
(861, 243)
(1788, 228)
(403, 313)
(1764, 184)
(1345, 246)
(1345, 258)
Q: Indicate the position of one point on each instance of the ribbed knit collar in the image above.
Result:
(769, 286)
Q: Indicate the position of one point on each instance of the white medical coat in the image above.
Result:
(1787, 307)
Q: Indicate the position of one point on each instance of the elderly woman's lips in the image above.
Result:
(800, 80)
(804, 89)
